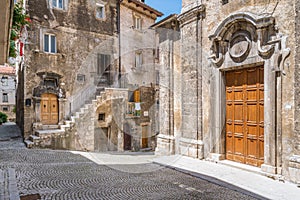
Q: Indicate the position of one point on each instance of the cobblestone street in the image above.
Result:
(65, 175)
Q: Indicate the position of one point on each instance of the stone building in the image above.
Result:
(76, 84)
(137, 47)
(8, 91)
(233, 84)
(6, 13)
(69, 46)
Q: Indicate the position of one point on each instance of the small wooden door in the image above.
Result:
(245, 116)
(145, 136)
(127, 137)
(49, 109)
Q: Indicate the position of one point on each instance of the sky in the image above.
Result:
(165, 6)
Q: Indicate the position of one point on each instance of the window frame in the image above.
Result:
(5, 108)
(4, 81)
(5, 100)
(137, 22)
(103, 11)
(50, 35)
(138, 59)
(56, 5)
(101, 117)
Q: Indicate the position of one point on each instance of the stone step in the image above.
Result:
(43, 133)
(34, 138)
(29, 144)
(50, 127)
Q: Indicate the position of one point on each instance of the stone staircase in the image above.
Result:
(43, 137)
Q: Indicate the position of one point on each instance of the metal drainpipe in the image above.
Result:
(119, 39)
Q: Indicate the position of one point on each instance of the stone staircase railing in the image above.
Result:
(77, 101)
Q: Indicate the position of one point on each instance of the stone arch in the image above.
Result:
(258, 31)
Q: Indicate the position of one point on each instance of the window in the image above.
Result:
(224, 2)
(58, 4)
(50, 83)
(5, 98)
(80, 77)
(49, 43)
(103, 63)
(101, 117)
(137, 23)
(4, 81)
(5, 108)
(100, 11)
(138, 59)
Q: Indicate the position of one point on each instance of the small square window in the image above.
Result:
(80, 77)
(100, 12)
(101, 117)
(5, 108)
(49, 43)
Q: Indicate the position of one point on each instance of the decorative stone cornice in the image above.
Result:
(258, 21)
(191, 15)
(238, 32)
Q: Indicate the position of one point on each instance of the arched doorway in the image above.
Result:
(49, 109)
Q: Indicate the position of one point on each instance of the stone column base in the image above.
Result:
(165, 145)
(294, 169)
(268, 169)
(215, 157)
(191, 148)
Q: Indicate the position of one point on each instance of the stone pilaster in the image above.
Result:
(191, 143)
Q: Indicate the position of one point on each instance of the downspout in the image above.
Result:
(119, 40)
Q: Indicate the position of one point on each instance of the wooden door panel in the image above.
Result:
(144, 142)
(238, 113)
(252, 113)
(245, 116)
(239, 145)
(49, 109)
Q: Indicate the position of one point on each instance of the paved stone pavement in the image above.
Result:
(69, 175)
(10, 136)
(64, 175)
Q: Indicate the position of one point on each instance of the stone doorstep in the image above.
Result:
(43, 133)
(50, 127)
(249, 168)
(29, 144)
(33, 138)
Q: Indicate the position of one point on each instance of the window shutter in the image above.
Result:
(137, 97)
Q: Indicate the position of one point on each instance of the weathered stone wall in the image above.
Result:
(134, 40)
(80, 36)
(294, 161)
(109, 132)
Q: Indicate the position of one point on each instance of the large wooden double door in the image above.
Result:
(49, 109)
(245, 116)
